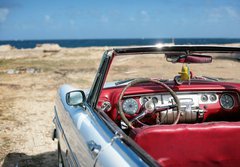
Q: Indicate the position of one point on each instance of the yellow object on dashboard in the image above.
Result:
(185, 73)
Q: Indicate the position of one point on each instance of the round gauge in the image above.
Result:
(130, 106)
(227, 101)
(204, 98)
(213, 97)
(155, 100)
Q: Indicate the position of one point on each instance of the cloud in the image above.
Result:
(132, 18)
(232, 12)
(104, 19)
(144, 15)
(3, 14)
(47, 18)
(72, 22)
(218, 14)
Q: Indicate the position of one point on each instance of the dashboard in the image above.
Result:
(195, 106)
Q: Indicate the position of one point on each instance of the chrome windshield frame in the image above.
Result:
(109, 55)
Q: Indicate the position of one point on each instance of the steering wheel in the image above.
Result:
(149, 107)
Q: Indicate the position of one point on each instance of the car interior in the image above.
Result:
(188, 119)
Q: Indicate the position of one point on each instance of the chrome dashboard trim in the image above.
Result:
(178, 93)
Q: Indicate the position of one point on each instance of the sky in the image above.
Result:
(104, 19)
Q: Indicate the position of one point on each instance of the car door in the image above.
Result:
(88, 140)
(74, 148)
(84, 136)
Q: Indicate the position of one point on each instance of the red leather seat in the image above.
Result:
(205, 144)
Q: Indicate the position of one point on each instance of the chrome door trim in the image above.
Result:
(76, 163)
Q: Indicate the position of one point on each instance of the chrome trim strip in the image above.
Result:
(178, 93)
(64, 137)
(176, 48)
(57, 121)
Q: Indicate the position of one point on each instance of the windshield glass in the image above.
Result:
(224, 67)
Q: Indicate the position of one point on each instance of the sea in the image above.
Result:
(73, 43)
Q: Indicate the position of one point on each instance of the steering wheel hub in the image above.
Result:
(149, 106)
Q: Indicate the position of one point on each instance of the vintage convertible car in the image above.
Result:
(134, 116)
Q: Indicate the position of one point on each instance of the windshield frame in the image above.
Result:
(109, 55)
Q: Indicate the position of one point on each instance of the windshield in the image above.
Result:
(224, 67)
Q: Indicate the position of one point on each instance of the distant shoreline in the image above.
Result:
(76, 43)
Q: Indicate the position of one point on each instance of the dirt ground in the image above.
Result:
(29, 80)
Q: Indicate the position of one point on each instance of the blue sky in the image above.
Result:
(78, 19)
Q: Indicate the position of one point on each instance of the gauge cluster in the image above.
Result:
(191, 102)
(195, 98)
(208, 98)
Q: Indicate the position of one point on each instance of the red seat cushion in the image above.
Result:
(205, 144)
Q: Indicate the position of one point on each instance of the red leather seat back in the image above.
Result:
(206, 144)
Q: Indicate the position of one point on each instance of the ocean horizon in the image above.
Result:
(74, 43)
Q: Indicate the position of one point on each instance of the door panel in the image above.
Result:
(86, 140)
(81, 129)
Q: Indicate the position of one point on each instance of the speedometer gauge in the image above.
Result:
(130, 106)
(227, 101)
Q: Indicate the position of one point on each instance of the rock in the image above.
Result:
(21, 70)
(48, 47)
(4, 48)
(11, 71)
(30, 70)
(33, 70)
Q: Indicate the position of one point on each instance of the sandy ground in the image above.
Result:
(29, 80)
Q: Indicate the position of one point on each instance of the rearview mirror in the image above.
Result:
(194, 58)
(75, 98)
